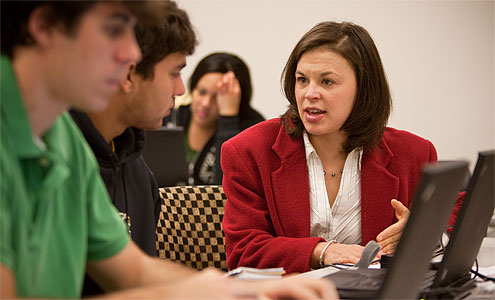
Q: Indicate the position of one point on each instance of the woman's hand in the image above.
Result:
(228, 95)
(389, 238)
(336, 253)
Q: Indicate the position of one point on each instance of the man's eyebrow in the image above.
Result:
(122, 16)
(181, 66)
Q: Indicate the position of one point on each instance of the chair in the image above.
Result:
(189, 228)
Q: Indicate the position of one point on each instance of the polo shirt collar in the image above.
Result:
(48, 150)
(14, 113)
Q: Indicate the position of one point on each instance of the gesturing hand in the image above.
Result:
(389, 237)
(228, 95)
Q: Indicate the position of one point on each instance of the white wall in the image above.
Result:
(438, 56)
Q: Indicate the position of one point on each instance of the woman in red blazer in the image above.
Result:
(310, 188)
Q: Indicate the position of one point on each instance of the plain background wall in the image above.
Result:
(438, 56)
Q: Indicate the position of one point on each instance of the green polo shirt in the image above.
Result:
(55, 213)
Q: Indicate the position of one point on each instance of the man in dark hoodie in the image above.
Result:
(145, 96)
(116, 135)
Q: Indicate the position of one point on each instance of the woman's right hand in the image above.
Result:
(228, 95)
(336, 253)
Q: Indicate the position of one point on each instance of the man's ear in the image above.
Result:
(40, 28)
(129, 80)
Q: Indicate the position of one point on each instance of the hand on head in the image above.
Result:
(228, 95)
(389, 238)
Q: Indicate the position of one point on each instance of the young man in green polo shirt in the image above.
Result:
(56, 219)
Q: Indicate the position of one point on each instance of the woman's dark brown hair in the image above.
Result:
(368, 118)
(223, 62)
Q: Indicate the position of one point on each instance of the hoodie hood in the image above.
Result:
(129, 182)
(128, 145)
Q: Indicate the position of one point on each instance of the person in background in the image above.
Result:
(56, 218)
(116, 134)
(309, 189)
(220, 88)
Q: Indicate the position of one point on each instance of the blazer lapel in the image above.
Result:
(290, 187)
(378, 187)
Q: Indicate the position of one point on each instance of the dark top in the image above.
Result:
(129, 181)
(205, 167)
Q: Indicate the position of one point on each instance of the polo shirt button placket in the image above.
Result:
(44, 162)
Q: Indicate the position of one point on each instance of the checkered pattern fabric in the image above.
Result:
(190, 226)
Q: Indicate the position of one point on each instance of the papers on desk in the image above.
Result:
(484, 289)
(256, 274)
(490, 271)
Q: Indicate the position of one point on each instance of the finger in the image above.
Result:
(287, 290)
(400, 209)
(390, 248)
(380, 253)
(390, 240)
(328, 290)
(220, 86)
(233, 84)
(389, 231)
(236, 86)
(228, 77)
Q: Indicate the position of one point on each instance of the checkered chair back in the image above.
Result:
(189, 229)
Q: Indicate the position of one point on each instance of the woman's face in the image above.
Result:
(325, 91)
(204, 103)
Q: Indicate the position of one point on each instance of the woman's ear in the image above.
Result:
(40, 28)
(129, 79)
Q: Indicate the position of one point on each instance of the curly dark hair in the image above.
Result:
(368, 118)
(170, 34)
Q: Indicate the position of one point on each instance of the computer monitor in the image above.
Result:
(165, 154)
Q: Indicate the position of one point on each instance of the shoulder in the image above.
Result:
(260, 133)
(400, 138)
(405, 145)
(75, 150)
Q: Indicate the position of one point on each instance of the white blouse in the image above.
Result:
(342, 221)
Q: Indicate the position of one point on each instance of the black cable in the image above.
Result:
(475, 271)
(477, 268)
(477, 274)
(484, 277)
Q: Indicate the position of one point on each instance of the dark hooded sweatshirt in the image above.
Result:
(130, 183)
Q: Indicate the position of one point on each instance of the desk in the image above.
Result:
(486, 256)
(486, 261)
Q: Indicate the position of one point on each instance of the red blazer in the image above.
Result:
(267, 214)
